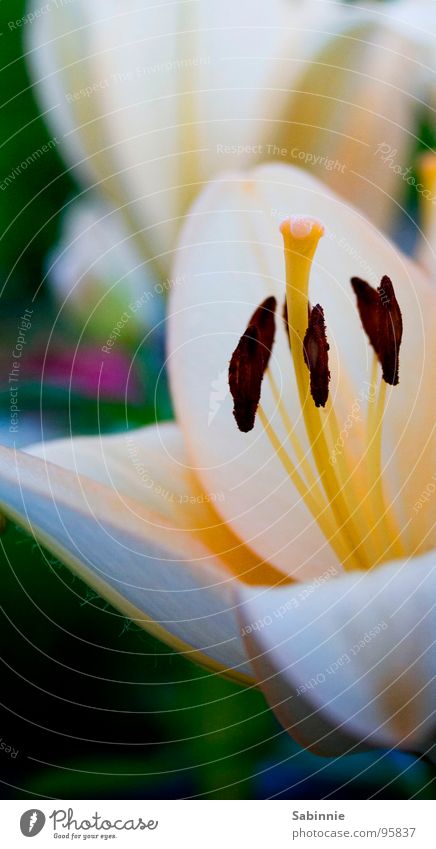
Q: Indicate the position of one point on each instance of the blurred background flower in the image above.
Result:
(152, 101)
(356, 113)
(97, 272)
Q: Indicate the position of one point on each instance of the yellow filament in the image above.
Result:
(354, 488)
(385, 526)
(318, 510)
(301, 237)
(294, 440)
(311, 481)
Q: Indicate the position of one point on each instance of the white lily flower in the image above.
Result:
(332, 87)
(151, 100)
(299, 556)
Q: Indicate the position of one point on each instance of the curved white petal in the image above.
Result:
(149, 100)
(146, 566)
(414, 18)
(352, 661)
(353, 118)
(151, 466)
(230, 258)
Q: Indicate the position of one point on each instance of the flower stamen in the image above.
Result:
(248, 364)
(381, 318)
(343, 492)
(311, 495)
(316, 350)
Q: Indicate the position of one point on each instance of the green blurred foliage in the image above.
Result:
(29, 206)
(99, 709)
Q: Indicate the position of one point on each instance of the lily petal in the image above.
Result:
(151, 99)
(350, 662)
(357, 103)
(150, 465)
(231, 258)
(152, 571)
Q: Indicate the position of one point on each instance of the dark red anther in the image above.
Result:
(392, 331)
(286, 321)
(263, 319)
(249, 362)
(316, 356)
(381, 318)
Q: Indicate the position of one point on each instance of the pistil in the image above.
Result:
(301, 237)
